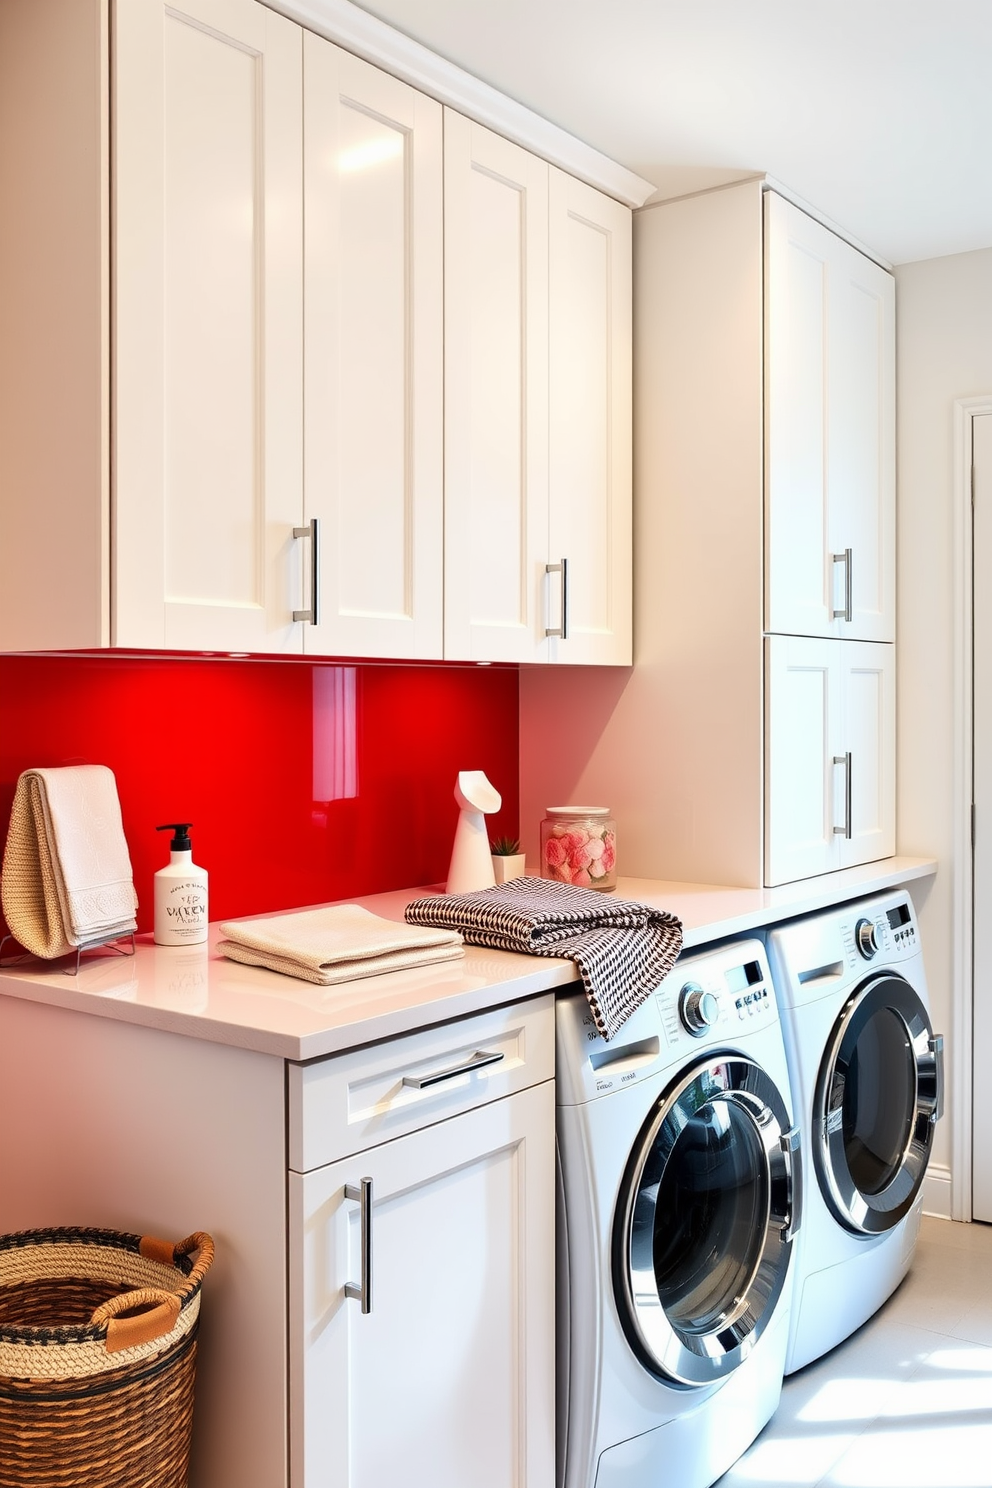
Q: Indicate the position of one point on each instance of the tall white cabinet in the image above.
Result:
(829, 381)
(367, 372)
(764, 514)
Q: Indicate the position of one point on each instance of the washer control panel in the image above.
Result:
(887, 930)
(713, 998)
(698, 1009)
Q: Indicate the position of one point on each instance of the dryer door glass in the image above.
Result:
(704, 1223)
(876, 1102)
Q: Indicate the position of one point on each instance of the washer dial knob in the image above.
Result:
(865, 938)
(698, 1010)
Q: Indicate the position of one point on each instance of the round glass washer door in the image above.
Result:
(878, 1096)
(704, 1221)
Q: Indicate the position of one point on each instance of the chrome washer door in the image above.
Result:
(877, 1099)
(704, 1220)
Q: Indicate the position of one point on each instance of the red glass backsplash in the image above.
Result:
(304, 781)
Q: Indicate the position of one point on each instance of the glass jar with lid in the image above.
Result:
(579, 846)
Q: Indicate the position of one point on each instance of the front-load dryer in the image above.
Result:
(679, 1198)
(867, 1076)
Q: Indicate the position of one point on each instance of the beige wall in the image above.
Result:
(944, 332)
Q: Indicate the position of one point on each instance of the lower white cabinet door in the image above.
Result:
(829, 755)
(447, 1380)
(802, 737)
(868, 689)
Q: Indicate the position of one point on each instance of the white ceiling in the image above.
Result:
(877, 112)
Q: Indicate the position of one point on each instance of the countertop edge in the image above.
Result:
(298, 1022)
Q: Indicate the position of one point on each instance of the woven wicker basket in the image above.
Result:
(97, 1357)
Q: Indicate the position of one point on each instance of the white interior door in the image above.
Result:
(982, 797)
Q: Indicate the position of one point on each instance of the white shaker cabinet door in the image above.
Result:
(449, 1379)
(804, 786)
(590, 421)
(497, 589)
(829, 433)
(207, 345)
(829, 755)
(868, 688)
(373, 440)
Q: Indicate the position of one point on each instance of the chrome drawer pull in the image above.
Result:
(562, 568)
(478, 1061)
(845, 760)
(361, 1291)
(312, 531)
(847, 613)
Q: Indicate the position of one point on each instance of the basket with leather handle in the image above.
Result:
(97, 1357)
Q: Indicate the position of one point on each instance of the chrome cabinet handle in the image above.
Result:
(478, 1061)
(845, 760)
(790, 1143)
(936, 1047)
(312, 531)
(562, 568)
(847, 613)
(361, 1291)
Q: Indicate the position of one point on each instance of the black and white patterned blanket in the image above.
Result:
(622, 948)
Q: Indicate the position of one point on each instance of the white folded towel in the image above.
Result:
(336, 944)
(67, 877)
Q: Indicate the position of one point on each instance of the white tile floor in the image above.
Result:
(906, 1402)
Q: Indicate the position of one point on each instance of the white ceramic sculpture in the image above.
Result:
(471, 864)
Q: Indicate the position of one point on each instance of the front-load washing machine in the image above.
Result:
(867, 1076)
(679, 1189)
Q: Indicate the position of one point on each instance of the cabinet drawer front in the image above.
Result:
(350, 1102)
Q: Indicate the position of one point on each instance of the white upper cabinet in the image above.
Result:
(830, 433)
(590, 421)
(207, 347)
(373, 334)
(537, 409)
(320, 419)
(496, 396)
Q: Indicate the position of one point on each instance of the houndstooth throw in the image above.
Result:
(622, 948)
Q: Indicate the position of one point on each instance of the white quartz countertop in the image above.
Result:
(198, 992)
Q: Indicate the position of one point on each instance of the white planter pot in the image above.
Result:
(505, 868)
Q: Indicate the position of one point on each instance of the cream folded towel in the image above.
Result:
(67, 876)
(336, 944)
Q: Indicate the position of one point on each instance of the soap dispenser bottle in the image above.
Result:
(180, 893)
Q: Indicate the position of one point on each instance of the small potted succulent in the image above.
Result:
(508, 861)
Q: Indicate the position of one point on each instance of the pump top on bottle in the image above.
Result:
(180, 892)
(180, 841)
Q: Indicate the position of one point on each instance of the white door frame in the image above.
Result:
(966, 410)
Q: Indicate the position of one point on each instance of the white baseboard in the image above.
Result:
(937, 1191)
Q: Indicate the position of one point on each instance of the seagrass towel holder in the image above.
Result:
(67, 883)
(98, 1332)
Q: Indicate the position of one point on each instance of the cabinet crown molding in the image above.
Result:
(353, 28)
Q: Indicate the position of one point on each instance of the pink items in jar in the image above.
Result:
(579, 846)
